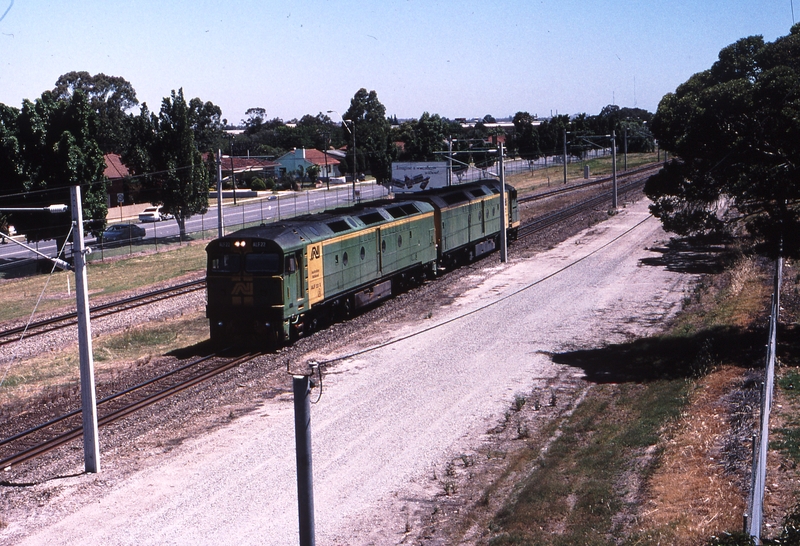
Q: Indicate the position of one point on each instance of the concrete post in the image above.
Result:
(91, 444)
(302, 430)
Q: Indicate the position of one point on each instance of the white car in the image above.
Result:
(153, 214)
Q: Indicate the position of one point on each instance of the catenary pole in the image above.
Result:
(220, 217)
(503, 212)
(91, 445)
(614, 167)
(565, 156)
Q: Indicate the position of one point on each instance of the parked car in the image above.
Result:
(154, 214)
(123, 232)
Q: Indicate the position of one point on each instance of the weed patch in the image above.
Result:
(573, 494)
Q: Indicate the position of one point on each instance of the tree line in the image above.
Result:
(59, 139)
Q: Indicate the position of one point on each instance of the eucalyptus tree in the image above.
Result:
(111, 98)
(526, 138)
(372, 130)
(163, 153)
(735, 133)
(424, 137)
(48, 146)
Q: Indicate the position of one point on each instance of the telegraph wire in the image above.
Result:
(322, 363)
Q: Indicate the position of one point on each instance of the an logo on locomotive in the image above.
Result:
(242, 293)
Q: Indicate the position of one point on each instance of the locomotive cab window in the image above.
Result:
(227, 263)
(290, 265)
(262, 263)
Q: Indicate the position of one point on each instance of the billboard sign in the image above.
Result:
(412, 177)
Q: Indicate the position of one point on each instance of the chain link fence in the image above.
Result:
(132, 236)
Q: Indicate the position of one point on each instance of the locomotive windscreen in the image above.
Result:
(226, 263)
(262, 263)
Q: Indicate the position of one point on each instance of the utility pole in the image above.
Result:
(625, 149)
(355, 161)
(450, 159)
(220, 217)
(503, 213)
(91, 445)
(614, 167)
(302, 431)
(233, 174)
(565, 156)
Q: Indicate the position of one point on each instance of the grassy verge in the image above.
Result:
(57, 371)
(575, 492)
(647, 456)
(542, 178)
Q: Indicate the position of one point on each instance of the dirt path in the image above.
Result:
(389, 420)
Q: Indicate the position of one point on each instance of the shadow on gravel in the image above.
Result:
(198, 349)
(205, 348)
(696, 255)
(669, 357)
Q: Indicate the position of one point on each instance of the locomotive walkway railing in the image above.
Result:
(754, 517)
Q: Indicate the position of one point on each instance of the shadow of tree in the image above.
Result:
(668, 357)
(695, 255)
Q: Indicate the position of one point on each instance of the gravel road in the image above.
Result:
(389, 419)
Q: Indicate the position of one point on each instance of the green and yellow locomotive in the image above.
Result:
(275, 282)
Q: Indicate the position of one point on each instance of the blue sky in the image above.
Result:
(464, 58)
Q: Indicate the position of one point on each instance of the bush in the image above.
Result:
(258, 184)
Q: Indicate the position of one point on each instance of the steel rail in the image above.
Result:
(102, 310)
(548, 220)
(586, 185)
(63, 438)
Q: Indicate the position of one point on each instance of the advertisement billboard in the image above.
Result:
(411, 177)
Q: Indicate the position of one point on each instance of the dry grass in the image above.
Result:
(690, 495)
(107, 278)
(58, 371)
(554, 176)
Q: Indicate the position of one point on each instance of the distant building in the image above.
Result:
(247, 168)
(119, 192)
(302, 157)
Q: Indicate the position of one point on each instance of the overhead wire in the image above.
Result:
(322, 363)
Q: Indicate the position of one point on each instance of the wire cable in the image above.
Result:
(479, 309)
(38, 301)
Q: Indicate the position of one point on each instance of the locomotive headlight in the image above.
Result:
(239, 244)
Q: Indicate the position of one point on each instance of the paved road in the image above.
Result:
(388, 418)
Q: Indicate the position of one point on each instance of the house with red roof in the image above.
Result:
(247, 168)
(302, 157)
(119, 192)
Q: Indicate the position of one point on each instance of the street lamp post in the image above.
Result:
(353, 132)
(327, 173)
(233, 175)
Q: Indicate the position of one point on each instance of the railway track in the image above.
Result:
(554, 218)
(31, 443)
(638, 172)
(69, 319)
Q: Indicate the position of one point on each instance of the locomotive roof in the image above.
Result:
(294, 232)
